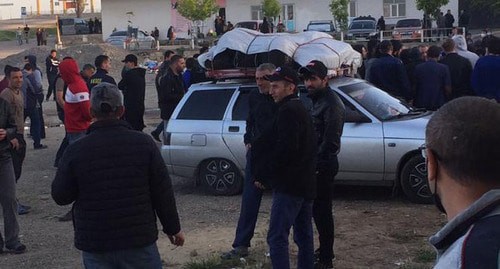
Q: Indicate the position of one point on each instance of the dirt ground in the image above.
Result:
(373, 229)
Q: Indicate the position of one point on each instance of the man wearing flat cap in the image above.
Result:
(119, 184)
(328, 114)
(293, 183)
(133, 87)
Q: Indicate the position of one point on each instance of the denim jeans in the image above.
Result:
(40, 97)
(291, 211)
(250, 204)
(35, 124)
(144, 258)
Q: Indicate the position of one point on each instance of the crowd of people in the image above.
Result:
(428, 76)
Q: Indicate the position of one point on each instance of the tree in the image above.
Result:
(197, 10)
(338, 8)
(431, 7)
(271, 8)
(493, 5)
(79, 7)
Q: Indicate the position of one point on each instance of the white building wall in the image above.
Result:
(11, 9)
(305, 11)
(147, 15)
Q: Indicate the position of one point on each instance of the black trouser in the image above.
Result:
(51, 78)
(39, 97)
(18, 156)
(322, 210)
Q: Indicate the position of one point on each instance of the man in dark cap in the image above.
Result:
(328, 115)
(293, 183)
(118, 197)
(133, 86)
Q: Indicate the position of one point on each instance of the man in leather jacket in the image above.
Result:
(328, 115)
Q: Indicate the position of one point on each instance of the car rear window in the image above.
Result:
(322, 27)
(206, 105)
(241, 107)
(247, 24)
(409, 23)
(362, 25)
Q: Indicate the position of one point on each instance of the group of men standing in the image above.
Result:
(292, 151)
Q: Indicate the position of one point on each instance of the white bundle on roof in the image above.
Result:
(301, 47)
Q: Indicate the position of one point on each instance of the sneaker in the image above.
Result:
(22, 209)
(18, 249)
(156, 136)
(66, 217)
(320, 265)
(235, 253)
(41, 146)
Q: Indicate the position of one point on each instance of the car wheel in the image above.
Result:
(414, 181)
(221, 177)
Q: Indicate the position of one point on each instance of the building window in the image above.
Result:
(394, 8)
(352, 9)
(256, 12)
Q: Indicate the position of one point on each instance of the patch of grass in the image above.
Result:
(215, 262)
(425, 256)
(7, 35)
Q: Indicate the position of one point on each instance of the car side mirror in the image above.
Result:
(304, 30)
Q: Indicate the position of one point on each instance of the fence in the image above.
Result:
(410, 35)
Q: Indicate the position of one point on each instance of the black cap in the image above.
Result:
(314, 67)
(130, 58)
(284, 73)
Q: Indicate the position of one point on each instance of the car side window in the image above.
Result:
(351, 113)
(241, 107)
(206, 105)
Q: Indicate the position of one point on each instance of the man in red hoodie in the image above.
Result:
(77, 116)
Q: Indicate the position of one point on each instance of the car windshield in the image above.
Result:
(377, 102)
(247, 24)
(323, 27)
(408, 23)
(119, 33)
(362, 25)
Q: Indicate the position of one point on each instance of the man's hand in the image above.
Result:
(259, 185)
(177, 239)
(14, 143)
(3, 134)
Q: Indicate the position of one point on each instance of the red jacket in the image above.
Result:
(77, 98)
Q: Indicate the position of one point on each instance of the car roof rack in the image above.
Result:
(235, 73)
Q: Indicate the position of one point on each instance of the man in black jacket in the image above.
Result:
(120, 185)
(258, 139)
(52, 64)
(328, 115)
(133, 86)
(460, 70)
(293, 182)
(170, 92)
(103, 65)
(162, 71)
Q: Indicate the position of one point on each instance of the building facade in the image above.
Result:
(296, 14)
(12, 9)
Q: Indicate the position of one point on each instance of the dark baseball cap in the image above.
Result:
(130, 58)
(105, 98)
(314, 67)
(284, 73)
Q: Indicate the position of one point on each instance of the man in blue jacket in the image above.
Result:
(103, 65)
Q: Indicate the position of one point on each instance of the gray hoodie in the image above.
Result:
(461, 47)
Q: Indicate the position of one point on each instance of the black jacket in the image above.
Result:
(133, 86)
(119, 183)
(100, 75)
(328, 116)
(170, 93)
(295, 150)
(460, 74)
(8, 123)
(259, 133)
(389, 74)
(51, 65)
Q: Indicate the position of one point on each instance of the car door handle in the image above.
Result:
(234, 129)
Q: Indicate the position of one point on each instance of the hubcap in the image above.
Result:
(418, 180)
(220, 175)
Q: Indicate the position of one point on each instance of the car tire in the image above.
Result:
(220, 177)
(414, 181)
